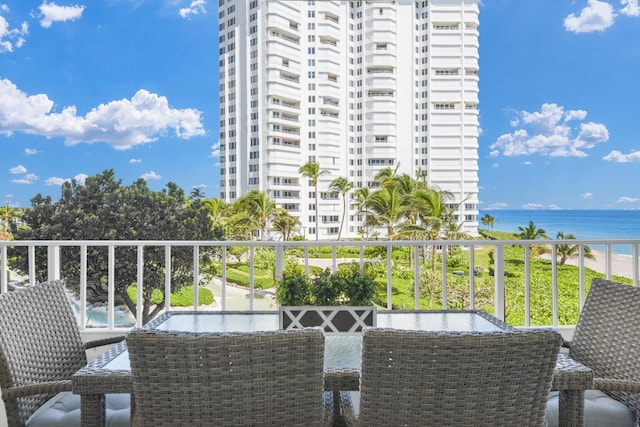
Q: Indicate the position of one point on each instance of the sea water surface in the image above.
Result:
(583, 224)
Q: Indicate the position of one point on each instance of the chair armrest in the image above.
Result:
(611, 384)
(49, 387)
(104, 341)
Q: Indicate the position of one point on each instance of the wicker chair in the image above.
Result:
(40, 349)
(420, 378)
(607, 340)
(229, 379)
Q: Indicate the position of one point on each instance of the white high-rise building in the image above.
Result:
(356, 86)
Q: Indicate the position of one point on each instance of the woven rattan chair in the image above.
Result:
(229, 379)
(607, 340)
(40, 349)
(420, 378)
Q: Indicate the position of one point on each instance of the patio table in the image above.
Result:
(110, 373)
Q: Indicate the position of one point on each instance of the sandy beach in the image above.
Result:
(621, 265)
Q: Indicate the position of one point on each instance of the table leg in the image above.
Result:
(92, 410)
(571, 406)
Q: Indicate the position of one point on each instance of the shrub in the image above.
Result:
(327, 288)
(294, 287)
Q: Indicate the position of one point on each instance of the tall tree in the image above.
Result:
(386, 209)
(103, 209)
(218, 212)
(9, 216)
(343, 186)
(285, 224)
(488, 220)
(363, 201)
(434, 213)
(531, 232)
(312, 171)
(566, 251)
(260, 207)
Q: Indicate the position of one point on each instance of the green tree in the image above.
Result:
(312, 171)
(343, 186)
(259, 207)
(218, 213)
(531, 232)
(566, 251)
(435, 213)
(488, 220)
(386, 209)
(9, 216)
(103, 209)
(285, 224)
(363, 201)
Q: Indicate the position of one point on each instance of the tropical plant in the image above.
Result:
(260, 208)
(363, 201)
(312, 171)
(218, 213)
(488, 220)
(285, 224)
(343, 186)
(531, 232)
(565, 251)
(294, 286)
(8, 216)
(386, 209)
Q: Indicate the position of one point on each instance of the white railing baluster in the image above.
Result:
(472, 277)
(167, 277)
(554, 285)
(443, 266)
(498, 280)
(111, 283)
(389, 281)
(416, 277)
(527, 285)
(139, 289)
(4, 270)
(196, 276)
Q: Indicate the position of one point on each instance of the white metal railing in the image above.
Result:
(225, 248)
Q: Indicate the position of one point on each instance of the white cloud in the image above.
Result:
(122, 124)
(30, 151)
(495, 206)
(28, 179)
(150, 175)
(554, 206)
(597, 16)
(11, 38)
(134, 161)
(532, 206)
(215, 150)
(631, 8)
(548, 132)
(527, 163)
(195, 8)
(618, 157)
(627, 200)
(80, 179)
(51, 13)
(587, 196)
(18, 169)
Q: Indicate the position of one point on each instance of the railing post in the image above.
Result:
(4, 270)
(139, 289)
(279, 262)
(53, 262)
(498, 280)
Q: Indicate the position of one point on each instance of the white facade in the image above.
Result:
(356, 86)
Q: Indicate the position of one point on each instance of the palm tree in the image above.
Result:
(488, 220)
(260, 207)
(285, 224)
(312, 171)
(9, 215)
(566, 251)
(386, 208)
(531, 232)
(217, 211)
(343, 186)
(435, 213)
(363, 200)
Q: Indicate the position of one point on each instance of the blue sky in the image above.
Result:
(131, 85)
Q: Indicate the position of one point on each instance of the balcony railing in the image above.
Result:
(48, 253)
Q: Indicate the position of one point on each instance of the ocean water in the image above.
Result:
(583, 224)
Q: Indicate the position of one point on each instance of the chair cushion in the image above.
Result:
(600, 410)
(64, 410)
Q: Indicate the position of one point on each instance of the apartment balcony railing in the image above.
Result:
(222, 251)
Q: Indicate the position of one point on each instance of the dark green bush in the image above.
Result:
(327, 288)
